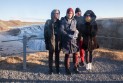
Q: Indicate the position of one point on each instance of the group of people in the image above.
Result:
(73, 34)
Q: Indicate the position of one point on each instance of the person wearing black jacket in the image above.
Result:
(52, 39)
(79, 19)
(89, 32)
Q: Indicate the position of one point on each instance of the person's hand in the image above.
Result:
(76, 33)
(71, 36)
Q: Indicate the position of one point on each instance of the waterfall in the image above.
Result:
(33, 31)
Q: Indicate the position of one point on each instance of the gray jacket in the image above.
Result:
(69, 34)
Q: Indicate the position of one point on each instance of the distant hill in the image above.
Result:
(110, 32)
(5, 25)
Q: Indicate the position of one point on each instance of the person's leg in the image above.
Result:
(90, 60)
(87, 59)
(67, 64)
(57, 60)
(81, 51)
(82, 56)
(57, 51)
(50, 62)
(90, 57)
(75, 61)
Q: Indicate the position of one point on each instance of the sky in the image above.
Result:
(40, 10)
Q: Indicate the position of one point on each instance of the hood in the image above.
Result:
(53, 12)
(91, 13)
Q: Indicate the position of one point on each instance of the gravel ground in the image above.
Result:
(104, 70)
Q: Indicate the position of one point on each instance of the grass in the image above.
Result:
(109, 53)
(37, 57)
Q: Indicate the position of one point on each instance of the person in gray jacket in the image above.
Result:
(69, 34)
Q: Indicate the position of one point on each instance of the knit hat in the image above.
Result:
(70, 10)
(77, 10)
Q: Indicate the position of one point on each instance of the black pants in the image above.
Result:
(88, 56)
(56, 52)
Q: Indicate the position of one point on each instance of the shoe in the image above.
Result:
(68, 72)
(78, 65)
(50, 72)
(90, 66)
(76, 70)
(57, 71)
(81, 64)
(87, 66)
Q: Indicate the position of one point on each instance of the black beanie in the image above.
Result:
(77, 10)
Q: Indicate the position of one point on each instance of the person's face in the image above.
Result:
(78, 14)
(56, 15)
(88, 19)
(69, 15)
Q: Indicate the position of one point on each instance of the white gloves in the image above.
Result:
(75, 35)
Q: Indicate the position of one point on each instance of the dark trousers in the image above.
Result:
(56, 52)
(88, 56)
(67, 60)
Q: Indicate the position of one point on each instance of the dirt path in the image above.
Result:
(104, 70)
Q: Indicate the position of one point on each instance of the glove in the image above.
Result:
(76, 34)
(71, 36)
